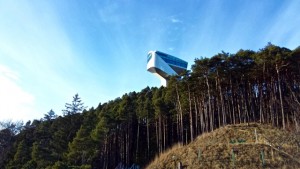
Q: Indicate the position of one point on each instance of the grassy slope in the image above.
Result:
(281, 149)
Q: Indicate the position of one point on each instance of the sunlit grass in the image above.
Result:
(236, 146)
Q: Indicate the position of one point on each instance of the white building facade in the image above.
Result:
(164, 65)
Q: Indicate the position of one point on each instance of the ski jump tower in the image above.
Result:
(164, 65)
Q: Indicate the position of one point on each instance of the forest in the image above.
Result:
(248, 86)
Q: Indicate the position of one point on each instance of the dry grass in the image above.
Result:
(214, 150)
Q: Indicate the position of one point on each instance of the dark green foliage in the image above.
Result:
(244, 87)
(30, 164)
(82, 149)
(21, 156)
(64, 130)
(60, 165)
(6, 144)
(41, 152)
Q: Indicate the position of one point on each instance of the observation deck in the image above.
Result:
(164, 65)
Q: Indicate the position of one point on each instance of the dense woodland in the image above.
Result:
(247, 86)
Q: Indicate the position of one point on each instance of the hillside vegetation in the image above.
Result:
(248, 86)
(236, 146)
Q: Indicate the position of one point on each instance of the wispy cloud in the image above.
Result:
(109, 12)
(28, 36)
(174, 20)
(170, 48)
(15, 102)
(285, 29)
(38, 56)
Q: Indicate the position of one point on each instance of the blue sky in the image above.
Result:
(52, 49)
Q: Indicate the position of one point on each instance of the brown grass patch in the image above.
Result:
(274, 148)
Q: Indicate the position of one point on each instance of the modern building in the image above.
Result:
(164, 65)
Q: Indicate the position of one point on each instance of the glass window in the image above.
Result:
(172, 60)
(149, 57)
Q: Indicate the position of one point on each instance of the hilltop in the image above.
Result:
(236, 146)
(245, 87)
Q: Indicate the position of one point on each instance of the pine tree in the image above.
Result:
(75, 107)
(83, 148)
(50, 115)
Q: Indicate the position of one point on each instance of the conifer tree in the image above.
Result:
(50, 115)
(75, 107)
(83, 148)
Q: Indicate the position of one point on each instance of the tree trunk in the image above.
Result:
(137, 141)
(261, 104)
(164, 133)
(222, 103)
(180, 114)
(148, 139)
(156, 133)
(232, 102)
(191, 115)
(280, 96)
(209, 105)
(196, 114)
(218, 104)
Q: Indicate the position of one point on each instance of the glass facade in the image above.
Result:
(172, 60)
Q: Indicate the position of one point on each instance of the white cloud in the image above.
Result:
(15, 102)
(35, 44)
(175, 20)
(170, 48)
